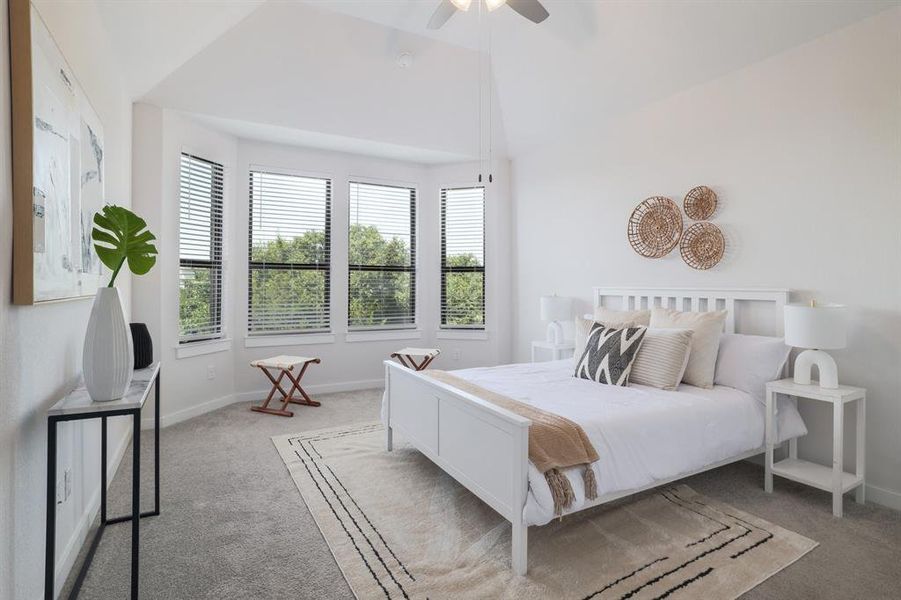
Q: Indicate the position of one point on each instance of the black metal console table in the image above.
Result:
(78, 405)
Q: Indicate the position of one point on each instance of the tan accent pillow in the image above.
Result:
(617, 319)
(620, 319)
(580, 335)
(705, 341)
(662, 358)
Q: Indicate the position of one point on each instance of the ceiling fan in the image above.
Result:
(530, 9)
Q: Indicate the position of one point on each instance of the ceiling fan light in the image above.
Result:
(462, 4)
(494, 4)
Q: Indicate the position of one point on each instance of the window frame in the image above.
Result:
(445, 269)
(358, 332)
(315, 335)
(216, 263)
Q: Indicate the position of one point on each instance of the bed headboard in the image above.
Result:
(757, 311)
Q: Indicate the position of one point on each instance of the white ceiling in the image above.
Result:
(336, 143)
(326, 67)
(152, 38)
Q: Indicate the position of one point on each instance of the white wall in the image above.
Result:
(40, 347)
(161, 134)
(160, 138)
(803, 149)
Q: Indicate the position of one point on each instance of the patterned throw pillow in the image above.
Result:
(609, 354)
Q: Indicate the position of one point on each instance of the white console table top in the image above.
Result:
(78, 401)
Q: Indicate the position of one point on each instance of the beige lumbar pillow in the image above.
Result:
(620, 319)
(706, 328)
(662, 358)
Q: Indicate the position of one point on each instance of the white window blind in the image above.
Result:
(200, 249)
(382, 257)
(290, 238)
(463, 258)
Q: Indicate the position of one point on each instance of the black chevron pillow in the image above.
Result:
(609, 354)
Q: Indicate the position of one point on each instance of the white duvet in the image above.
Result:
(641, 434)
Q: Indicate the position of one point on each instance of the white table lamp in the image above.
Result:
(555, 309)
(817, 327)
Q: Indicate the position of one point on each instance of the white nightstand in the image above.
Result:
(833, 479)
(558, 351)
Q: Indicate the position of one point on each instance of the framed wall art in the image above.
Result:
(58, 168)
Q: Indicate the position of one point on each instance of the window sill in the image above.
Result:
(301, 339)
(461, 334)
(199, 348)
(383, 335)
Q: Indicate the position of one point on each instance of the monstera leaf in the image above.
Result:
(120, 235)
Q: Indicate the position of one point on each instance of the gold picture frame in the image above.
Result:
(57, 168)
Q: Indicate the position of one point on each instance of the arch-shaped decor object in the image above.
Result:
(655, 227)
(700, 203)
(702, 246)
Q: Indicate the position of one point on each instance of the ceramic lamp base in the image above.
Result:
(554, 333)
(825, 364)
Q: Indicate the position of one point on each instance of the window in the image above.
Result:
(463, 258)
(290, 237)
(382, 257)
(200, 249)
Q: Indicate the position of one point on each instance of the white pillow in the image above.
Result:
(662, 358)
(705, 341)
(748, 362)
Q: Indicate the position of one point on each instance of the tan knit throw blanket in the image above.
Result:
(555, 442)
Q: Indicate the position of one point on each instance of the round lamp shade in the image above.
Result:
(556, 308)
(821, 327)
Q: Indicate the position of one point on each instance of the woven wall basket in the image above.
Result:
(702, 246)
(700, 203)
(655, 227)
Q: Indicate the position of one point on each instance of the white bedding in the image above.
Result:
(642, 434)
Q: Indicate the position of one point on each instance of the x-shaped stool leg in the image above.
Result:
(287, 397)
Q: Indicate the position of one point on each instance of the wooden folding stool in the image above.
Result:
(285, 365)
(407, 357)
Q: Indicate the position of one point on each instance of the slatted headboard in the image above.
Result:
(750, 310)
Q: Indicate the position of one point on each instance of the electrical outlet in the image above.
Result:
(67, 484)
(211, 372)
(457, 354)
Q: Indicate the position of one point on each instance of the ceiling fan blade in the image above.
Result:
(530, 9)
(441, 15)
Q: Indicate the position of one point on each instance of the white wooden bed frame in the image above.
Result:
(485, 448)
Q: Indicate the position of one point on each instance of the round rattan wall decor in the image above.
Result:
(700, 203)
(655, 227)
(702, 246)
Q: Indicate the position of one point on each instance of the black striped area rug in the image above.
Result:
(399, 527)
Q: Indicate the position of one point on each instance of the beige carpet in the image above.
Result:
(399, 527)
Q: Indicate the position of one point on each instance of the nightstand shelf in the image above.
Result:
(832, 478)
(557, 351)
(813, 474)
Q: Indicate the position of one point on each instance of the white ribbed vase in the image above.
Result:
(108, 358)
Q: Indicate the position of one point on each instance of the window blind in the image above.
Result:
(290, 240)
(463, 258)
(200, 249)
(382, 257)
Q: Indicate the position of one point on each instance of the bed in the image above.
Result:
(645, 437)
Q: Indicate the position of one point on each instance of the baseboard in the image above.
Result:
(883, 497)
(67, 558)
(184, 414)
(195, 411)
(321, 388)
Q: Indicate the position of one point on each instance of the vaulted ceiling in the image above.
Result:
(325, 73)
